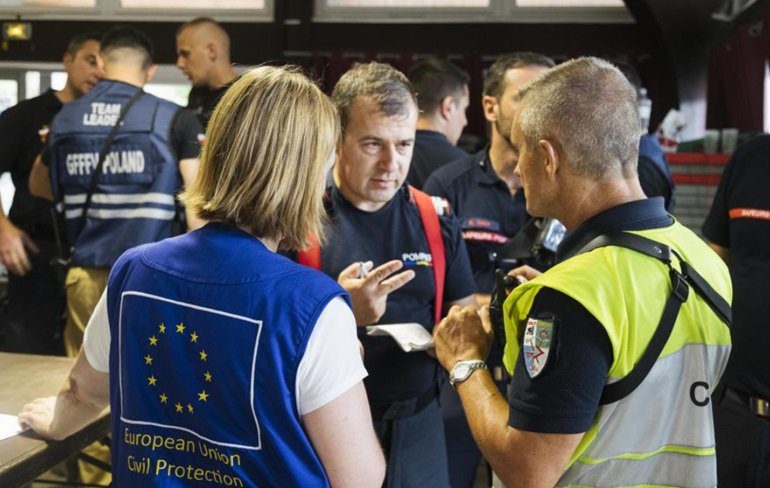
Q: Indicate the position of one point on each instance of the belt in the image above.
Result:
(758, 406)
(401, 409)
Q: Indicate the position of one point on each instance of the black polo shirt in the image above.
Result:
(23, 129)
(395, 232)
(488, 214)
(210, 102)
(740, 221)
(432, 150)
(564, 397)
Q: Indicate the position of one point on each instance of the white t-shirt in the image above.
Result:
(331, 364)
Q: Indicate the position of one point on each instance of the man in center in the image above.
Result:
(378, 228)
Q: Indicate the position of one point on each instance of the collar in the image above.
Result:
(432, 135)
(644, 214)
(488, 175)
(50, 99)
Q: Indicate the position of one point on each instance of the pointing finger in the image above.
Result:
(395, 282)
(378, 274)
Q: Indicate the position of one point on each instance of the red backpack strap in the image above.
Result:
(432, 229)
(310, 257)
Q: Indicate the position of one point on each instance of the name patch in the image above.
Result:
(115, 163)
(102, 114)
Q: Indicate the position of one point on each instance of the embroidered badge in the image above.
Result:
(536, 346)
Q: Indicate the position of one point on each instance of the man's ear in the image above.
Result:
(552, 159)
(489, 104)
(67, 59)
(151, 73)
(211, 51)
(446, 107)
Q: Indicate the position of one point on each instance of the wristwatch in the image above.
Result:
(463, 370)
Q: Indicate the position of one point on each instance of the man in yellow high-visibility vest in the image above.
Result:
(587, 322)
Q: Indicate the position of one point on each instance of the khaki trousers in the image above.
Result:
(84, 288)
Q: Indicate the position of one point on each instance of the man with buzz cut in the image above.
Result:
(442, 97)
(28, 242)
(132, 198)
(614, 351)
(203, 55)
(380, 226)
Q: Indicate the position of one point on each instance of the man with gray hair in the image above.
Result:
(379, 226)
(602, 343)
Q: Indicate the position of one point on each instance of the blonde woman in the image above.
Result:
(223, 362)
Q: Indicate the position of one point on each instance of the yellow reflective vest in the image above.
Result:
(662, 434)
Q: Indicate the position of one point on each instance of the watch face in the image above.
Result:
(461, 371)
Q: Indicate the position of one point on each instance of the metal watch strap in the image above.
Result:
(473, 365)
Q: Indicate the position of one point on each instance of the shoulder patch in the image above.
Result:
(537, 344)
(441, 205)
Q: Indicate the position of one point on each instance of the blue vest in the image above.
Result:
(134, 200)
(207, 332)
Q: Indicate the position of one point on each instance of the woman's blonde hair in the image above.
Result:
(263, 165)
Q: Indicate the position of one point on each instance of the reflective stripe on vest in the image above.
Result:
(133, 202)
(670, 411)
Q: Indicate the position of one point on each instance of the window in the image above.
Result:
(408, 3)
(58, 79)
(9, 93)
(477, 11)
(48, 3)
(31, 84)
(173, 92)
(195, 4)
(121, 10)
(570, 3)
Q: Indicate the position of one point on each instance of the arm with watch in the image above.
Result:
(518, 457)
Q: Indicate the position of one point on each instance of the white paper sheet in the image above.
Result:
(9, 426)
(410, 336)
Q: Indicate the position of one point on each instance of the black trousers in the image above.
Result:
(742, 442)
(33, 322)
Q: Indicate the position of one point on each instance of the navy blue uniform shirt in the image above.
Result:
(563, 399)
(395, 232)
(654, 173)
(488, 214)
(740, 221)
(432, 150)
(23, 128)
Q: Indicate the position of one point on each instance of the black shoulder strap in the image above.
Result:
(680, 290)
(102, 156)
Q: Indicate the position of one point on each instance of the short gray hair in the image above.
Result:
(589, 108)
(388, 87)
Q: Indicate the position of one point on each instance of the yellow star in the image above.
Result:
(189, 408)
(207, 375)
(178, 407)
(153, 341)
(180, 328)
(162, 328)
(193, 337)
(202, 396)
(203, 355)
(152, 380)
(163, 398)
(148, 359)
